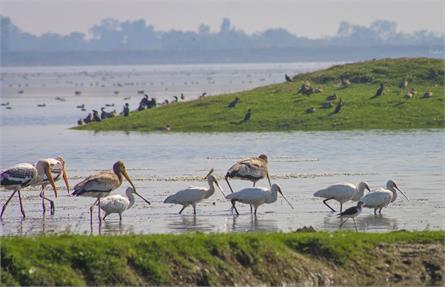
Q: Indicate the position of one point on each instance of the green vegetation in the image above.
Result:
(279, 108)
(338, 258)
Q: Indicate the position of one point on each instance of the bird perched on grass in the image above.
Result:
(288, 79)
(233, 103)
(247, 116)
(338, 107)
(403, 85)
(379, 91)
(428, 94)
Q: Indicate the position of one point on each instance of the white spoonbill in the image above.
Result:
(342, 193)
(193, 195)
(58, 171)
(101, 184)
(382, 197)
(22, 175)
(117, 203)
(252, 169)
(351, 212)
(256, 196)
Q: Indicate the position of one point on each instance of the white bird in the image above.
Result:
(101, 184)
(58, 171)
(193, 195)
(118, 204)
(351, 212)
(256, 196)
(342, 193)
(22, 175)
(382, 197)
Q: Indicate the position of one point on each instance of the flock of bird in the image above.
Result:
(99, 186)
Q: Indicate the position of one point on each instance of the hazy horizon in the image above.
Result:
(314, 19)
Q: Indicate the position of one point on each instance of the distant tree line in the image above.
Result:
(113, 35)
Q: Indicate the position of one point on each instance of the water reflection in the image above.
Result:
(190, 222)
(253, 222)
(364, 222)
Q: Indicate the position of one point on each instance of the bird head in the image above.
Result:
(131, 190)
(212, 179)
(391, 185)
(119, 168)
(263, 157)
(43, 165)
(278, 188)
(64, 174)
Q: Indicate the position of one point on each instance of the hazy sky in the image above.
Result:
(305, 18)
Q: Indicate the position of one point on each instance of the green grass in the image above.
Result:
(278, 107)
(204, 259)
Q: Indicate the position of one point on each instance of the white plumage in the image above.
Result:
(118, 204)
(192, 195)
(382, 197)
(342, 192)
(22, 175)
(256, 196)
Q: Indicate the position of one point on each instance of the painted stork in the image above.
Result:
(382, 197)
(252, 169)
(342, 193)
(22, 175)
(117, 203)
(58, 171)
(193, 195)
(101, 184)
(256, 196)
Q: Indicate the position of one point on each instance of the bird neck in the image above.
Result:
(359, 192)
(130, 198)
(394, 194)
(211, 189)
(272, 196)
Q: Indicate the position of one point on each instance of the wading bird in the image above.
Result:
(58, 171)
(101, 184)
(118, 204)
(382, 197)
(22, 175)
(342, 193)
(193, 195)
(351, 212)
(256, 196)
(252, 169)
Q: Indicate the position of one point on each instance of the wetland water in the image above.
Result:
(161, 164)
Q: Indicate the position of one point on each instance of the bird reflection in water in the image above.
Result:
(364, 222)
(255, 223)
(190, 222)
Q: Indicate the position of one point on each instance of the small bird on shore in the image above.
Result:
(379, 91)
(233, 103)
(339, 106)
(288, 79)
(351, 212)
(427, 95)
(247, 116)
(403, 85)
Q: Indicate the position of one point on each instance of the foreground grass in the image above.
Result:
(340, 258)
(279, 108)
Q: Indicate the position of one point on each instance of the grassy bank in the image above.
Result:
(339, 258)
(278, 107)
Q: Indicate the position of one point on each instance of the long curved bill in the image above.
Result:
(125, 174)
(288, 202)
(142, 197)
(65, 179)
(50, 178)
(402, 193)
(220, 188)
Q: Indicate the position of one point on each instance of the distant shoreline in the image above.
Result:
(36, 58)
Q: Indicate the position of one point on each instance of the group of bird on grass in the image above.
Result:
(99, 186)
(307, 89)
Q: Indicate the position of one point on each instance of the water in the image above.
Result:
(161, 164)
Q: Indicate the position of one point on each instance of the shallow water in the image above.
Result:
(161, 164)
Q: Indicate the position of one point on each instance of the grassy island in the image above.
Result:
(279, 107)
